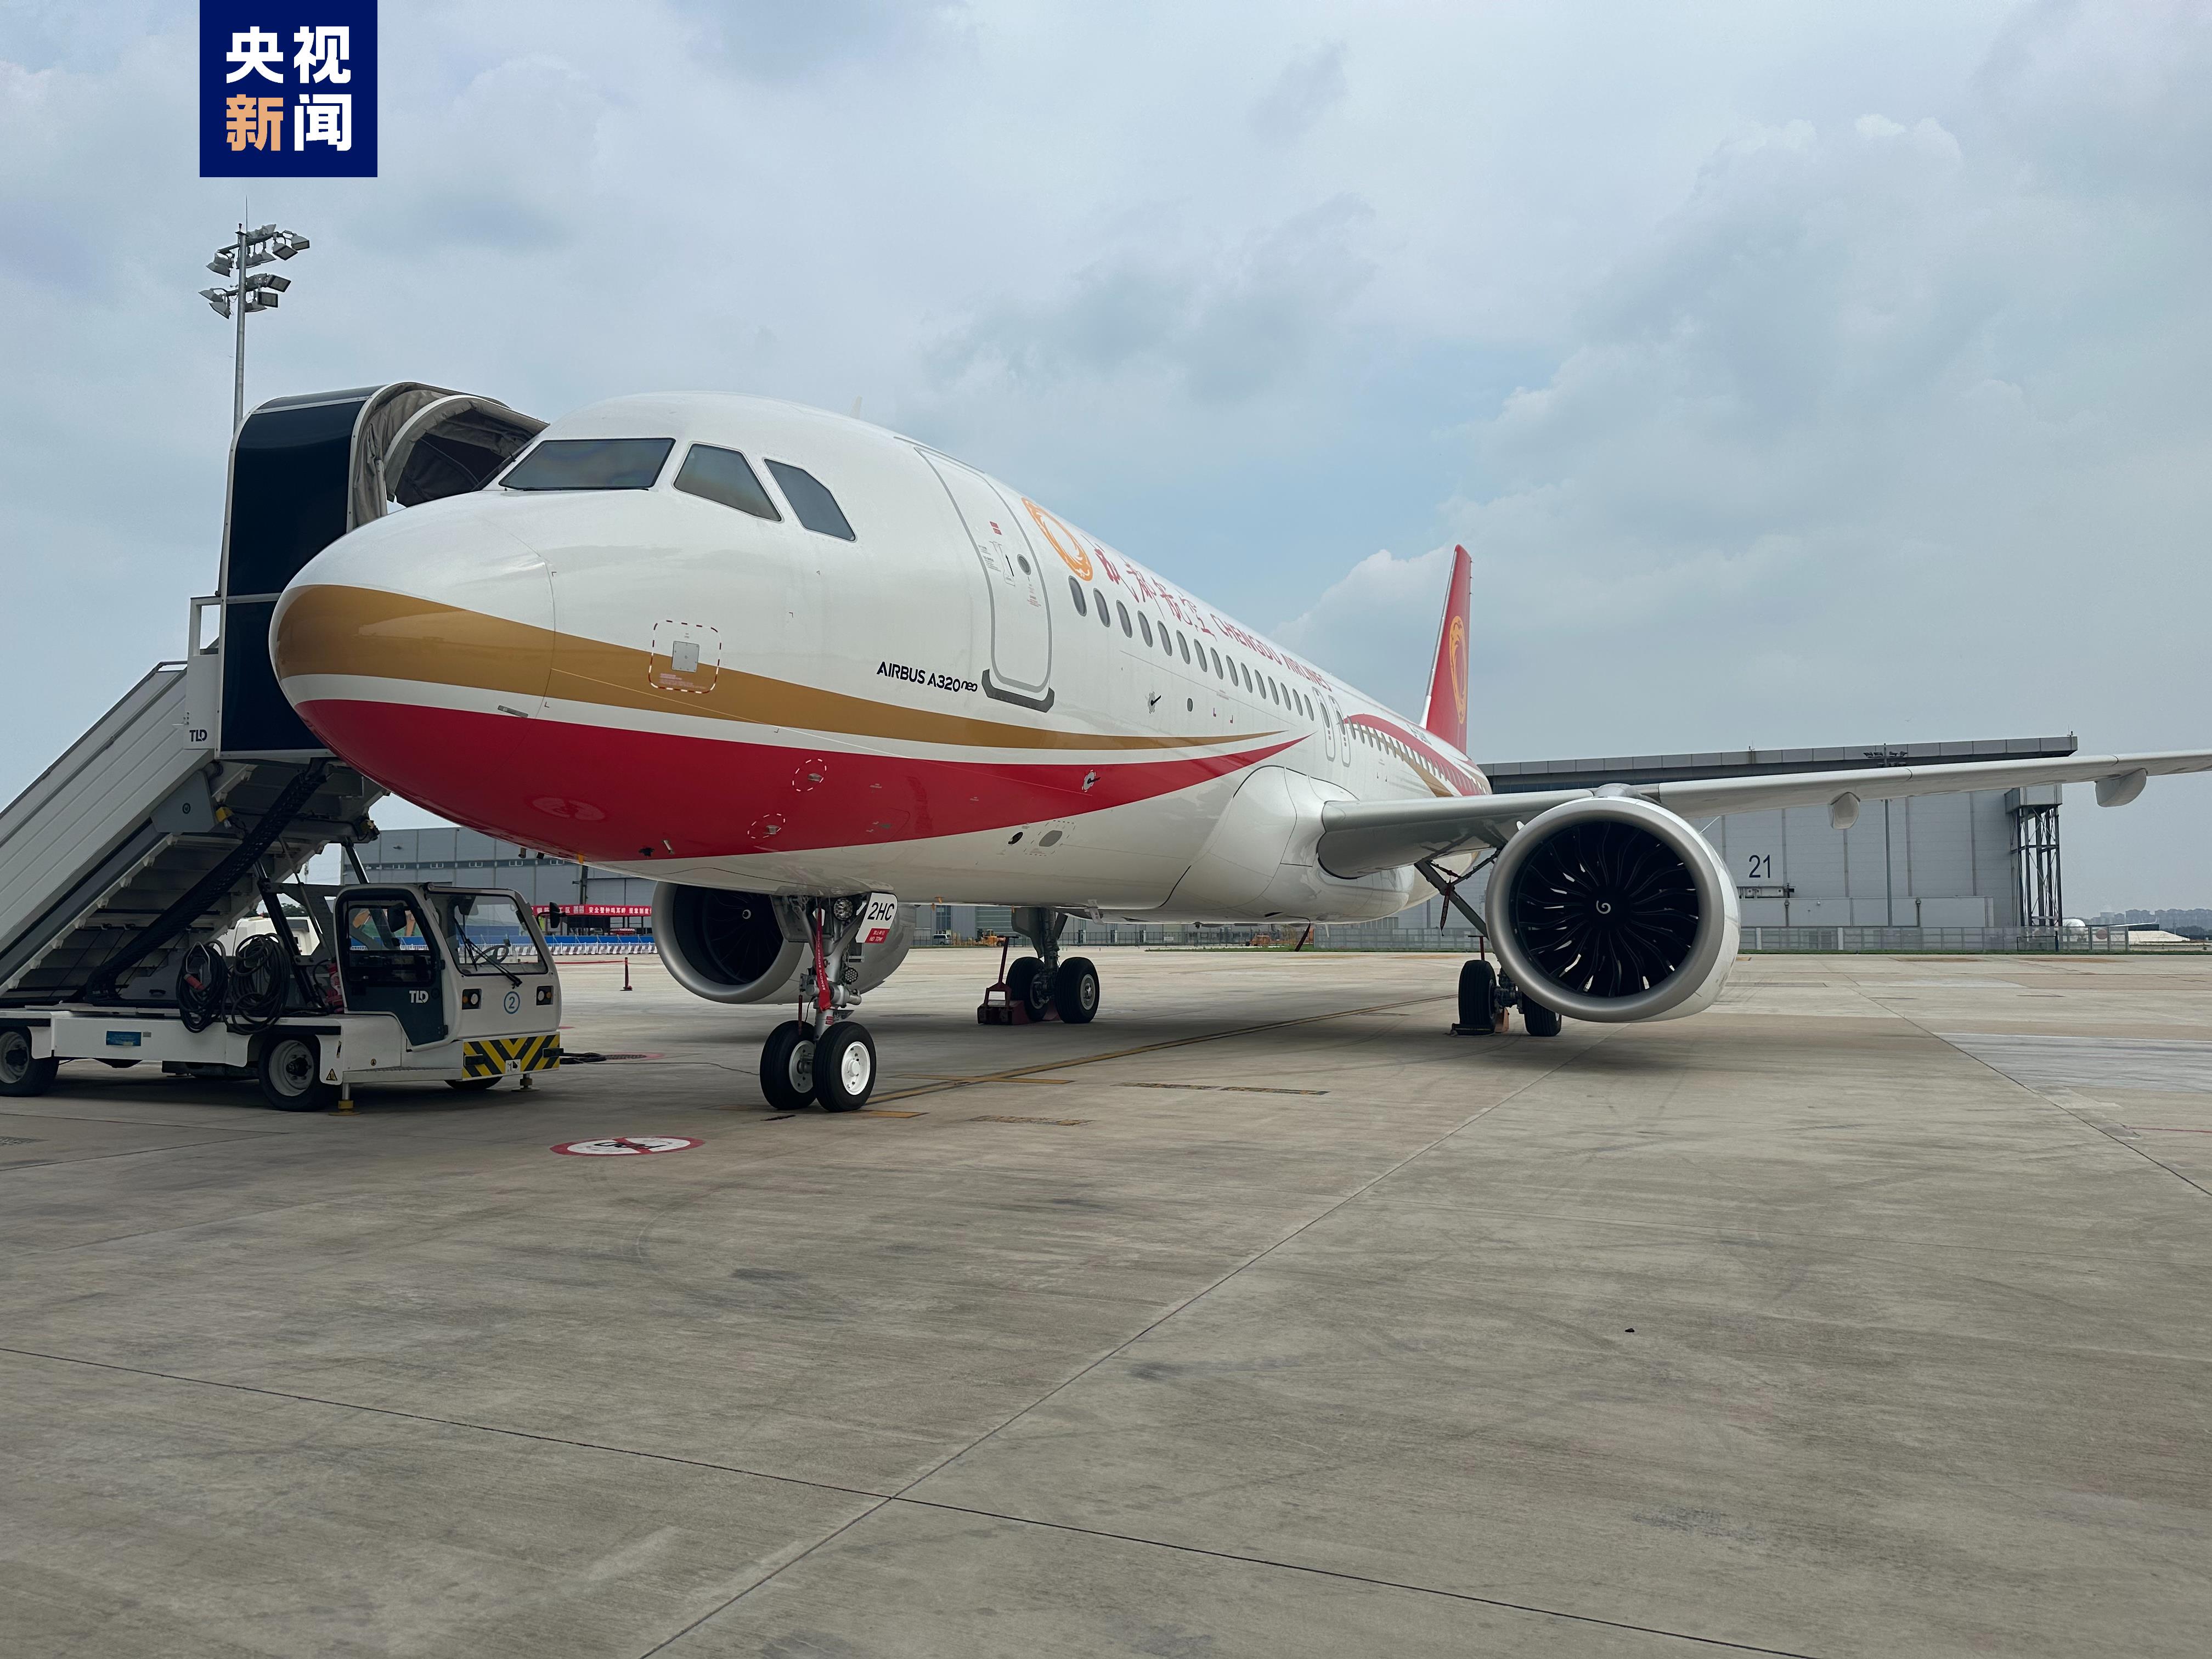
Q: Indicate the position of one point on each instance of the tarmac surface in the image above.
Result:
(1866, 1314)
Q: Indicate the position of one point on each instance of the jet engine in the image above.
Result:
(752, 947)
(1610, 908)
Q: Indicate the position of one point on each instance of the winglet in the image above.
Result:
(1446, 715)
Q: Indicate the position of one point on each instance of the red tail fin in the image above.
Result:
(1447, 712)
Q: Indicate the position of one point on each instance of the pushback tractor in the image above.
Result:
(152, 902)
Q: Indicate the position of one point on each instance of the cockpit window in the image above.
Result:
(810, 500)
(722, 475)
(591, 464)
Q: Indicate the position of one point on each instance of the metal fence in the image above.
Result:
(1964, 941)
(1464, 941)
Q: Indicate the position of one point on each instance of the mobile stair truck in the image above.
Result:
(196, 804)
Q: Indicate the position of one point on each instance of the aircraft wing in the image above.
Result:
(1360, 836)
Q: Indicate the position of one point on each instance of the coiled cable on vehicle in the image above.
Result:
(260, 981)
(201, 982)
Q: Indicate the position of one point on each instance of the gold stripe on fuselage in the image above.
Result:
(334, 629)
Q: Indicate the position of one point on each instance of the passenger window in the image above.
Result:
(1145, 623)
(591, 464)
(1105, 616)
(810, 500)
(722, 475)
(1183, 644)
(1219, 672)
(1122, 611)
(1076, 587)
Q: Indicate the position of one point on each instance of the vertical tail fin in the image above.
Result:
(1446, 716)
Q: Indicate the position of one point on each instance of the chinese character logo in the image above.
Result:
(266, 113)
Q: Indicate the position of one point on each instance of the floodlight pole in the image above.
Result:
(248, 292)
(238, 357)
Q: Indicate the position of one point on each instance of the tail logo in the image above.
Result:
(1456, 653)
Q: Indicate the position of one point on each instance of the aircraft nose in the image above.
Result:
(418, 648)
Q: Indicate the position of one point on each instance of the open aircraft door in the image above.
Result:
(1021, 611)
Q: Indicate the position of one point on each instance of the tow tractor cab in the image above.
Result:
(327, 989)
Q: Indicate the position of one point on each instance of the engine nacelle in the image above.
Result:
(751, 947)
(1612, 910)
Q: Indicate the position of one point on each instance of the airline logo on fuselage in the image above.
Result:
(1071, 550)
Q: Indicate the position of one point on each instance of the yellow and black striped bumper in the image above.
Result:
(497, 1056)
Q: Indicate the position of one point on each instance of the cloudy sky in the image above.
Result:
(1795, 375)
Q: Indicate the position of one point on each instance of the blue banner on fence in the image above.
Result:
(288, 90)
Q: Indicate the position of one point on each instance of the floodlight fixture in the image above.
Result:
(249, 294)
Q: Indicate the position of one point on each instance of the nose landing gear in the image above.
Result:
(1044, 987)
(823, 1055)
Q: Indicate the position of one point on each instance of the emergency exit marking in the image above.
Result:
(627, 1145)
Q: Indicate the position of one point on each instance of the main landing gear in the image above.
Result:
(823, 1055)
(1042, 987)
(1486, 1002)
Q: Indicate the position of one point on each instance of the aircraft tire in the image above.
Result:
(1028, 984)
(845, 1067)
(1075, 991)
(20, 1074)
(1542, 1021)
(787, 1066)
(1477, 983)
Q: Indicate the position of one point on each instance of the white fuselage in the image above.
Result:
(970, 700)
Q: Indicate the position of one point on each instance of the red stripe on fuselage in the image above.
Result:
(608, 794)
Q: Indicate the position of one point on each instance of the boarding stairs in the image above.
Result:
(160, 826)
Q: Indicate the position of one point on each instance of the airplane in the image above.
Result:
(788, 664)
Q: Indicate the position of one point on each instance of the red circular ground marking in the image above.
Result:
(627, 1145)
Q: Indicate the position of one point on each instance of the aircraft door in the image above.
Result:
(1014, 576)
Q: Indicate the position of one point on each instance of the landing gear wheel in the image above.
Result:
(470, 1085)
(1028, 984)
(20, 1074)
(291, 1073)
(1477, 989)
(1075, 992)
(787, 1068)
(1542, 1021)
(845, 1067)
